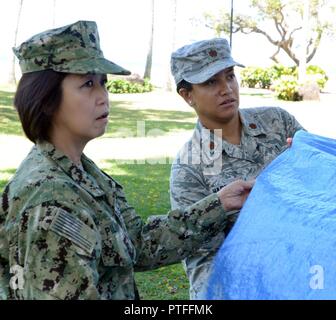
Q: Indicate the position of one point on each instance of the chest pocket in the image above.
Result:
(117, 248)
(268, 152)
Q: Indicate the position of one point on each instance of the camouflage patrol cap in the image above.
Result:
(199, 61)
(73, 48)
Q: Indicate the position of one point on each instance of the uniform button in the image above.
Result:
(252, 125)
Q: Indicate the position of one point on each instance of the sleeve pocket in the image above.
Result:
(68, 226)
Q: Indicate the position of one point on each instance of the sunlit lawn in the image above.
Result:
(123, 119)
(9, 120)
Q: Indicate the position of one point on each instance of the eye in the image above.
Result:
(88, 84)
(210, 82)
(231, 76)
(103, 82)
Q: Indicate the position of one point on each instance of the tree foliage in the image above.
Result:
(280, 21)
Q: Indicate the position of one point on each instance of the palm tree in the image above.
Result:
(173, 43)
(12, 77)
(148, 68)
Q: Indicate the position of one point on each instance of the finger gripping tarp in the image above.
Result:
(283, 245)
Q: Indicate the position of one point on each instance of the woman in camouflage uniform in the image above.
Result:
(228, 142)
(66, 229)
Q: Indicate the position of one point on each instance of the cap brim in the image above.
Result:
(95, 65)
(210, 70)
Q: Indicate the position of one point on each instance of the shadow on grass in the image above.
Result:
(259, 94)
(146, 185)
(5, 175)
(9, 119)
(165, 283)
(6, 98)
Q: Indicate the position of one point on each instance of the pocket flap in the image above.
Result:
(117, 247)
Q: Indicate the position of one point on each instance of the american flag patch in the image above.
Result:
(70, 227)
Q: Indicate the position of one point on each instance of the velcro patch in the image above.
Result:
(70, 227)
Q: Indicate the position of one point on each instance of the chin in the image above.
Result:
(100, 134)
(101, 131)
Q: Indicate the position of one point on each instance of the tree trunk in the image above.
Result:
(169, 85)
(148, 68)
(12, 77)
(303, 47)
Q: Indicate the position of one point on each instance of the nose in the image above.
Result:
(102, 95)
(225, 87)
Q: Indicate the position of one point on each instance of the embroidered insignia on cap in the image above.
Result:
(68, 226)
(213, 53)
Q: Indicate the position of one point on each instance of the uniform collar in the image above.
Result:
(252, 126)
(81, 177)
(215, 145)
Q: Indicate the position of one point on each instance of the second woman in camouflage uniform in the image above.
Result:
(228, 143)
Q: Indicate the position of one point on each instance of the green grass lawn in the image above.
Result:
(146, 185)
(5, 175)
(123, 119)
(9, 120)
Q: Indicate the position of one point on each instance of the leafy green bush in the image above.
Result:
(318, 75)
(287, 88)
(278, 70)
(314, 73)
(253, 77)
(248, 78)
(284, 80)
(265, 79)
(125, 86)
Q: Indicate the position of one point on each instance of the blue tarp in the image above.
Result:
(283, 245)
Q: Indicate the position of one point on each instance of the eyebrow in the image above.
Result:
(94, 75)
(229, 69)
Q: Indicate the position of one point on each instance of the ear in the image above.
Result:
(187, 96)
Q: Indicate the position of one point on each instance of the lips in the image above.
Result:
(227, 101)
(103, 116)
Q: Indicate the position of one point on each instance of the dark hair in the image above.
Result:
(37, 98)
(185, 85)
